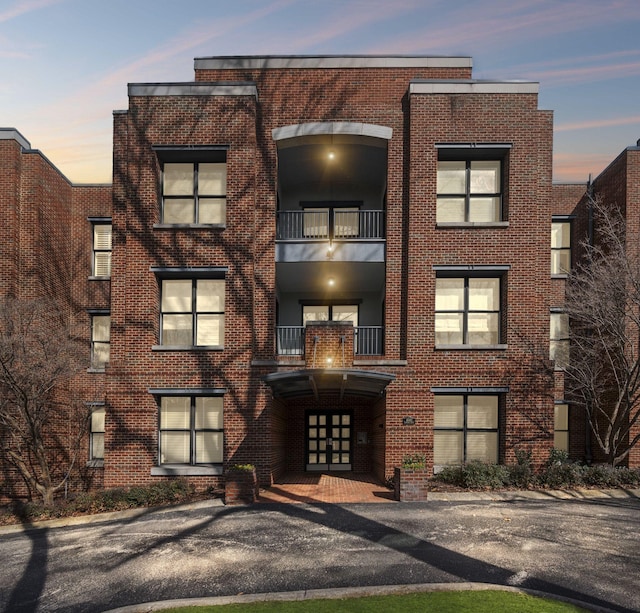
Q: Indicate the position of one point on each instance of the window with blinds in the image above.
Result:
(96, 438)
(191, 430)
(102, 241)
(465, 428)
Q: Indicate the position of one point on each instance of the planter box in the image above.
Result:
(241, 487)
(410, 485)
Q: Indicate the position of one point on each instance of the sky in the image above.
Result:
(65, 64)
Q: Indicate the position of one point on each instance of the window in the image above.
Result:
(465, 428)
(559, 343)
(467, 311)
(96, 434)
(194, 193)
(192, 312)
(101, 249)
(561, 426)
(191, 430)
(469, 191)
(335, 312)
(100, 340)
(560, 247)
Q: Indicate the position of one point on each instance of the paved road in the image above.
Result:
(588, 550)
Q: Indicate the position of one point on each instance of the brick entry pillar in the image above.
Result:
(328, 344)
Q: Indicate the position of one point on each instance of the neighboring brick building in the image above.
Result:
(310, 263)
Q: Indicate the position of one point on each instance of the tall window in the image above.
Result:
(96, 437)
(469, 191)
(467, 311)
(465, 428)
(560, 341)
(194, 193)
(560, 247)
(561, 426)
(101, 250)
(192, 312)
(191, 430)
(100, 340)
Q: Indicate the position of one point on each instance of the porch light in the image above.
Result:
(329, 361)
(330, 250)
(331, 155)
(331, 281)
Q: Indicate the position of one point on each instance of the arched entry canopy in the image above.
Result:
(316, 381)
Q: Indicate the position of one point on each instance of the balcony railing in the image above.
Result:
(330, 224)
(368, 340)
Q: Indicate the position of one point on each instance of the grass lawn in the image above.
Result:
(489, 601)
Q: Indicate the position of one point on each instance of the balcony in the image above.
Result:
(330, 224)
(367, 340)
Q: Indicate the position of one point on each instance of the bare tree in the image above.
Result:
(41, 423)
(603, 304)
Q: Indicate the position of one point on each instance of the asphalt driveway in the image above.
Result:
(586, 550)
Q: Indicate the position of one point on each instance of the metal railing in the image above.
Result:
(330, 224)
(368, 340)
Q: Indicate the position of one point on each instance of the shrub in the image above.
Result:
(477, 474)
(451, 475)
(521, 473)
(416, 461)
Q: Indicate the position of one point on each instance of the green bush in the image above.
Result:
(477, 474)
(521, 474)
(416, 461)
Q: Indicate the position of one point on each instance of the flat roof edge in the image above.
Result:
(192, 89)
(267, 62)
(13, 134)
(461, 86)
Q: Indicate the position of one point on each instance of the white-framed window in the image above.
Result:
(561, 426)
(468, 310)
(559, 344)
(102, 242)
(192, 312)
(465, 428)
(96, 434)
(469, 191)
(100, 340)
(191, 430)
(560, 247)
(194, 193)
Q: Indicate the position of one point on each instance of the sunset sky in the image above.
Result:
(65, 64)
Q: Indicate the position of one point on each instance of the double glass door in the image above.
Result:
(328, 437)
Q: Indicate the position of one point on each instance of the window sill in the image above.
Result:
(185, 471)
(95, 464)
(187, 348)
(96, 370)
(472, 224)
(189, 226)
(470, 347)
(563, 275)
(93, 278)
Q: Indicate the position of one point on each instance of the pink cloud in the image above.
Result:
(25, 6)
(598, 123)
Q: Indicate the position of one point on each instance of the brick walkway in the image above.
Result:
(326, 487)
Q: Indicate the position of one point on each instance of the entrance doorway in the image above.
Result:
(328, 440)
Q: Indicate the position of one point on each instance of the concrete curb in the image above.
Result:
(347, 592)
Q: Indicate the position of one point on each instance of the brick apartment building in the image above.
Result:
(312, 264)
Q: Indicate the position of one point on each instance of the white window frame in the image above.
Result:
(102, 246)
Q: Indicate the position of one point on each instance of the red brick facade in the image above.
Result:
(266, 118)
